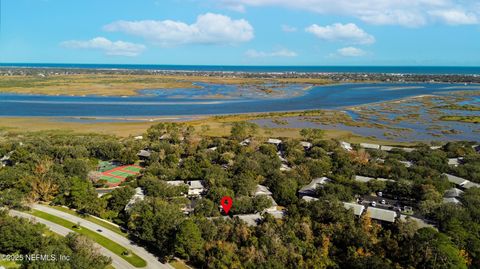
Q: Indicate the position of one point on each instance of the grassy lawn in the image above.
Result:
(133, 259)
(104, 224)
(179, 265)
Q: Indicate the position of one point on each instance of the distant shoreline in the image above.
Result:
(424, 70)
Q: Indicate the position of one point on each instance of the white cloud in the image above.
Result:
(349, 33)
(410, 13)
(275, 53)
(351, 52)
(288, 28)
(117, 48)
(455, 17)
(208, 29)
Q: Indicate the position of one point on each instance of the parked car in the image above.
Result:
(374, 203)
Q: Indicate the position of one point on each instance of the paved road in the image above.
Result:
(152, 261)
(117, 261)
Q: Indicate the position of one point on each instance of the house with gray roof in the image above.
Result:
(452, 200)
(309, 198)
(357, 209)
(453, 193)
(456, 180)
(381, 214)
(311, 188)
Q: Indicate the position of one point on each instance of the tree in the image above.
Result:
(242, 130)
(83, 197)
(312, 134)
(120, 198)
(155, 221)
(189, 242)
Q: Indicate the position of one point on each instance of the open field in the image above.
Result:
(101, 240)
(122, 85)
(215, 126)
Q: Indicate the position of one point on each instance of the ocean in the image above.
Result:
(462, 70)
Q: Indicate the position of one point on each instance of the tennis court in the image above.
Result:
(117, 175)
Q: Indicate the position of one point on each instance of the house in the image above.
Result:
(357, 209)
(311, 188)
(212, 149)
(470, 184)
(138, 196)
(306, 145)
(309, 198)
(254, 219)
(452, 200)
(435, 147)
(454, 161)
(245, 142)
(406, 163)
(346, 146)
(369, 146)
(138, 137)
(381, 214)
(456, 180)
(420, 222)
(5, 160)
(285, 167)
(144, 154)
(386, 148)
(453, 193)
(195, 187)
(262, 190)
(363, 179)
(275, 142)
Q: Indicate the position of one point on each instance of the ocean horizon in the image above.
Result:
(436, 70)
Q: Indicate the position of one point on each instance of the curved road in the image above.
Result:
(117, 261)
(152, 261)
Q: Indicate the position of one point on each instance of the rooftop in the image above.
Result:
(357, 209)
(381, 214)
(311, 188)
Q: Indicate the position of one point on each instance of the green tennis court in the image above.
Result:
(111, 179)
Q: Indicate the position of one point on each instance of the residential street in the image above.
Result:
(152, 261)
(117, 261)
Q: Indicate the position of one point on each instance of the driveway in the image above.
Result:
(117, 261)
(152, 261)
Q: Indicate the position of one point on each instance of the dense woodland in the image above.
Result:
(56, 167)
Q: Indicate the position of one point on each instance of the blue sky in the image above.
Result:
(242, 32)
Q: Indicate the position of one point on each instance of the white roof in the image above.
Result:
(285, 167)
(363, 179)
(138, 196)
(451, 200)
(138, 137)
(453, 161)
(469, 184)
(357, 209)
(252, 219)
(346, 146)
(176, 182)
(262, 190)
(381, 214)
(387, 148)
(455, 179)
(195, 184)
(313, 185)
(309, 198)
(306, 144)
(453, 192)
(407, 163)
(245, 142)
(144, 153)
(369, 146)
(274, 141)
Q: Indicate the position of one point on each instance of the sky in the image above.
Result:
(241, 32)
